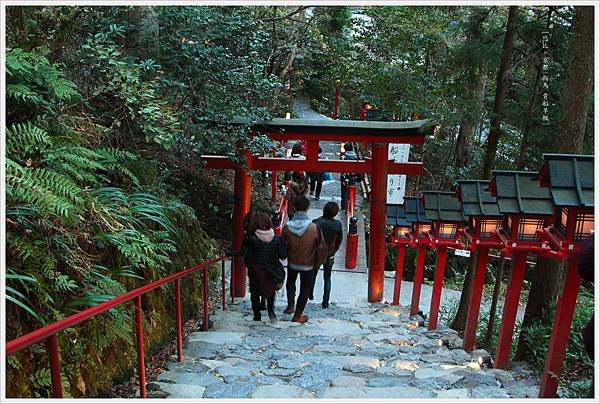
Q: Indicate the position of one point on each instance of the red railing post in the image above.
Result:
(438, 282)
(511, 305)
(205, 295)
(140, 345)
(223, 291)
(477, 284)
(178, 314)
(54, 357)
(398, 276)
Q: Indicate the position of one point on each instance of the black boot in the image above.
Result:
(271, 308)
(255, 300)
(291, 307)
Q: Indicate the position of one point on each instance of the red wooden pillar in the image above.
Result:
(561, 328)
(416, 291)
(438, 282)
(477, 285)
(378, 219)
(273, 186)
(511, 305)
(241, 206)
(399, 271)
(336, 103)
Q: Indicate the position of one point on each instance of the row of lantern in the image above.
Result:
(549, 213)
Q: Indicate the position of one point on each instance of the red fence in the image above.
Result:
(49, 332)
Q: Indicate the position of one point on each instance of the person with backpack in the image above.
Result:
(333, 235)
(348, 178)
(265, 271)
(295, 188)
(301, 238)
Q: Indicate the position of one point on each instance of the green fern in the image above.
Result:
(23, 139)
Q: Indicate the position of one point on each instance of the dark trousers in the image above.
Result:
(255, 300)
(343, 193)
(307, 281)
(316, 181)
(327, 266)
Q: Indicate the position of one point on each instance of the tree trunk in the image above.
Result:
(548, 277)
(492, 319)
(502, 82)
(142, 32)
(473, 76)
(529, 117)
(460, 320)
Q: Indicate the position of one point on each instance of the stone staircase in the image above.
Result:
(347, 351)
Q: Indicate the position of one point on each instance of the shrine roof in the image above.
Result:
(396, 215)
(442, 206)
(519, 192)
(415, 212)
(476, 199)
(570, 178)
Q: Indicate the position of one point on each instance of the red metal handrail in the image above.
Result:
(283, 205)
(49, 332)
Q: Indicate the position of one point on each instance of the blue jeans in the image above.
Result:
(327, 266)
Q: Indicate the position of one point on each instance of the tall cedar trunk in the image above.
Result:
(142, 32)
(473, 79)
(548, 278)
(502, 81)
(460, 320)
(529, 116)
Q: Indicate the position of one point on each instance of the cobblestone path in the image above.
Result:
(346, 351)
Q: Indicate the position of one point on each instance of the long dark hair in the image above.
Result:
(296, 149)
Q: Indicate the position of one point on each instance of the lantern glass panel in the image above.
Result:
(561, 221)
(447, 230)
(423, 229)
(401, 232)
(488, 226)
(583, 226)
(526, 230)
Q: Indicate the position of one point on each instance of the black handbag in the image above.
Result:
(276, 272)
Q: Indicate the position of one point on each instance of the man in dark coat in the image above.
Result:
(332, 233)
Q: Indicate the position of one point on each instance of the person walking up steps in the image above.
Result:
(265, 271)
(332, 233)
(300, 236)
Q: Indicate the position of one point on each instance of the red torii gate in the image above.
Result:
(378, 133)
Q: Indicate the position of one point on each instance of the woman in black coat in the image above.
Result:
(265, 271)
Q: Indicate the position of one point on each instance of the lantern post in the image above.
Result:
(444, 210)
(397, 232)
(481, 209)
(527, 208)
(419, 239)
(570, 179)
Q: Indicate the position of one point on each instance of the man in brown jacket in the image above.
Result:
(300, 236)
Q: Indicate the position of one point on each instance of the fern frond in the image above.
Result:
(24, 138)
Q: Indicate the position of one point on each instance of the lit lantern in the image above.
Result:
(529, 209)
(444, 210)
(419, 238)
(484, 220)
(398, 231)
(570, 179)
